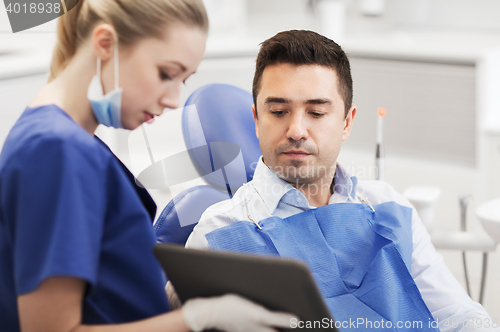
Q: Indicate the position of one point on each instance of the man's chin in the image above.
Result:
(311, 184)
(295, 175)
(301, 174)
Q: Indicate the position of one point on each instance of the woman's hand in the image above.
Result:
(232, 313)
(173, 299)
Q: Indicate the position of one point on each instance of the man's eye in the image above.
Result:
(316, 114)
(164, 76)
(278, 113)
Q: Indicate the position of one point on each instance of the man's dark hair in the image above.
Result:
(302, 47)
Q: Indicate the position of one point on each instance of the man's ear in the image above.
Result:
(256, 119)
(103, 41)
(348, 123)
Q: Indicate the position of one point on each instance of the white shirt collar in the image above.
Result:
(271, 188)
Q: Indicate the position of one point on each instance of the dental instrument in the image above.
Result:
(464, 202)
(379, 155)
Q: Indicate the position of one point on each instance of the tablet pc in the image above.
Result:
(276, 283)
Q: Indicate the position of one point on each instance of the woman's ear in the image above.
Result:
(103, 41)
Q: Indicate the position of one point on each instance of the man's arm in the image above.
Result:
(209, 222)
(448, 302)
(444, 296)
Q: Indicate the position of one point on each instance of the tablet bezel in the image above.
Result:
(277, 283)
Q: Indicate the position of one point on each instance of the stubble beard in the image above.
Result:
(316, 179)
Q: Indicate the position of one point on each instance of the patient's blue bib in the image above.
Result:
(360, 260)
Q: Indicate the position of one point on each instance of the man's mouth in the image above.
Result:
(296, 153)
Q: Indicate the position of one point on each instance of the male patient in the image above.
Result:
(364, 243)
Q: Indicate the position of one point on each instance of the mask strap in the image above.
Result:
(99, 68)
(116, 62)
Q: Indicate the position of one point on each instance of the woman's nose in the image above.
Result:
(170, 98)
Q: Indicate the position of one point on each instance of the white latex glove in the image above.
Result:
(232, 313)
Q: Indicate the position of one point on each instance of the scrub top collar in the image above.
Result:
(274, 190)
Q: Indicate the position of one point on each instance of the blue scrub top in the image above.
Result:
(68, 208)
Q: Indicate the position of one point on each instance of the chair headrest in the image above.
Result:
(219, 116)
(179, 217)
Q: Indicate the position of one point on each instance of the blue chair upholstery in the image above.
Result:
(225, 115)
(194, 201)
(219, 133)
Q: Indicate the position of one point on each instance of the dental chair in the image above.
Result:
(219, 133)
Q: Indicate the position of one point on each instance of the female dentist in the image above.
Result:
(75, 234)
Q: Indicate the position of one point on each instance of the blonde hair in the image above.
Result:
(132, 20)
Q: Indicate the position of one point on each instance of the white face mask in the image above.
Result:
(107, 108)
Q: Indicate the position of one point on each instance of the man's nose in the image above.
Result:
(297, 129)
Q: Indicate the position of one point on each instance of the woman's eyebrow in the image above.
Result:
(180, 65)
